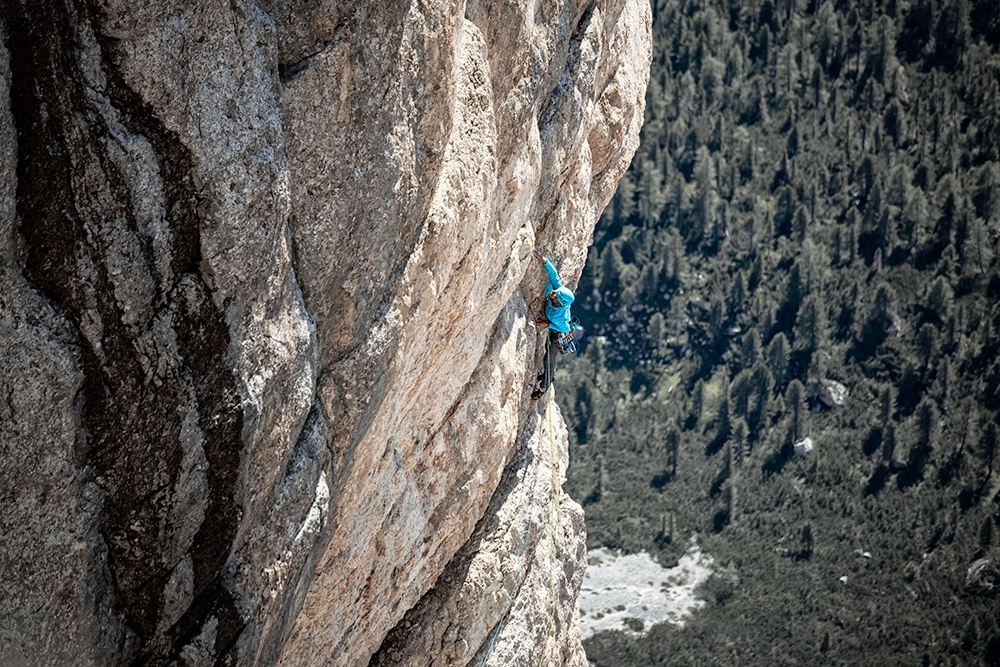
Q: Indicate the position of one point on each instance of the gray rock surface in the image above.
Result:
(803, 447)
(982, 578)
(833, 393)
(265, 318)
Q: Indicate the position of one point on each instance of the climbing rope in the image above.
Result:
(549, 412)
(520, 571)
(527, 537)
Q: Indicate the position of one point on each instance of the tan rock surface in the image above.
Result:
(265, 287)
(531, 544)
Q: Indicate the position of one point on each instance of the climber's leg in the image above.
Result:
(549, 369)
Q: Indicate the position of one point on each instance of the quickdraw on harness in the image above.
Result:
(566, 342)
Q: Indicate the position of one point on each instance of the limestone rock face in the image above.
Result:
(524, 565)
(266, 324)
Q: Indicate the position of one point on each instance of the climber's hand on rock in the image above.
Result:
(538, 256)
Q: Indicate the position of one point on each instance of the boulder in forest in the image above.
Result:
(982, 578)
(832, 393)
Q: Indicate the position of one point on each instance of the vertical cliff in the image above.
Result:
(266, 324)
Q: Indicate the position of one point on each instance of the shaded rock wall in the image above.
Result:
(265, 321)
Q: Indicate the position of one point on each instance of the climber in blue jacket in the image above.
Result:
(558, 319)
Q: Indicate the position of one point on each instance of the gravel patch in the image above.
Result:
(631, 593)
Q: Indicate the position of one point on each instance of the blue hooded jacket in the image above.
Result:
(558, 316)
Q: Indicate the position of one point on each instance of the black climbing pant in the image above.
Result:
(551, 352)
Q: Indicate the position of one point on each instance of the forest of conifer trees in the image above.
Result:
(807, 245)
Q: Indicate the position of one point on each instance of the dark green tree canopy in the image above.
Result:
(807, 244)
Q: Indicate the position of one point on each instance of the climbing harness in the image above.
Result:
(566, 341)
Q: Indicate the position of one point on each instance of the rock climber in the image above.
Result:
(559, 322)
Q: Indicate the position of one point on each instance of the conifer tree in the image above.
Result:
(762, 48)
(939, 299)
(706, 199)
(792, 144)
(761, 382)
(777, 358)
(988, 447)
(649, 192)
(795, 397)
(656, 332)
(784, 211)
(916, 30)
(873, 207)
(623, 203)
(673, 442)
(739, 393)
(949, 195)
(915, 218)
(887, 405)
(898, 192)
(610, 272)
(737, 295)
(724, 425)
(799, 225)
(892, 120)
(727, 462)
(951, 35)
(716, 324)
(885, 236)
(739, 438)
(888, 442)
(747, 165)
(807, 541)
(810, 326)
(926, 417)
(987, 197)
(795, 291)
(926, 346)
(970, 636)
(980, 243)
(815, 374)
(697, 401)
(828, 36)
(816, 84)
(750, 348)
(602, 479)
(944, 377)
(756, 273)
(729, 502)
(851, 224)
(881, 318)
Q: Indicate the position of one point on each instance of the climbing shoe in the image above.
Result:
(537, 393)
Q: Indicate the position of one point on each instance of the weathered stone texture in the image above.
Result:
(266, 328)
(530, 544)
